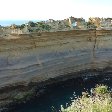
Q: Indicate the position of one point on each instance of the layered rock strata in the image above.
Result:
(39, 57)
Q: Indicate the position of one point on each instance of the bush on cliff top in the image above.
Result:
(101, 101)
(101, 89)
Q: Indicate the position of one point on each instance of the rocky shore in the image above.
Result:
(32, 61)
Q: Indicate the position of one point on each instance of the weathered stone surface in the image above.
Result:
(37, 58)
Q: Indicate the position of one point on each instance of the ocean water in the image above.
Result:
(61, 94)
(17, 22)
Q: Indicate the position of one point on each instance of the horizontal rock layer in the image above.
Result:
(41, 56)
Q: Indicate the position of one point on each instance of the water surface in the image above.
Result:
(61, 94)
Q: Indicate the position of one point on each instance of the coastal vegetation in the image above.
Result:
(23, 96)
(100, 100)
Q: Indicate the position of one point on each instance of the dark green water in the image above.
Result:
(62, 93)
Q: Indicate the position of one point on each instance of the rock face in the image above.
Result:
(36, 58)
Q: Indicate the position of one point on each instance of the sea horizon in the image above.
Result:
(17, 22)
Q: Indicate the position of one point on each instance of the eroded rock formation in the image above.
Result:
(36, 58)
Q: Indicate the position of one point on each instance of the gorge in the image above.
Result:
(35, 60)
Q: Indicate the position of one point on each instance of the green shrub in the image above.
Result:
(96, 103)
(101, 89)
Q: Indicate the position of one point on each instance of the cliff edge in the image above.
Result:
(35, 58)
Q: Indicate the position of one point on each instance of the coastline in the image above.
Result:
(37, 60)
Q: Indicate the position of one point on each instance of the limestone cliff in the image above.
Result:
(36, 58)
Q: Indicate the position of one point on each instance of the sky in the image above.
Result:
(53, 9)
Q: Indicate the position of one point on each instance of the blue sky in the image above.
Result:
(53, 9)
